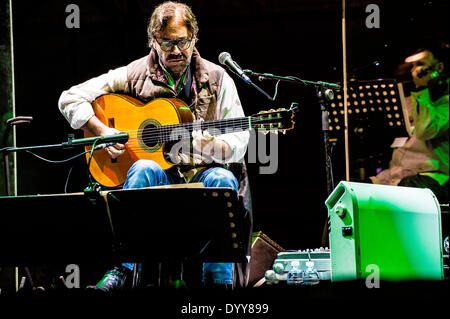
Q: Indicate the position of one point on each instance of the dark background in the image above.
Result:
(299, 38)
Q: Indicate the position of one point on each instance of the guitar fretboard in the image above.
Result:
(177, 132)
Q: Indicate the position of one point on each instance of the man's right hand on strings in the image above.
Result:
(97, 128)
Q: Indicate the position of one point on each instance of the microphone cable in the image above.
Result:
(91, 151)
(57, 161)
(60, 162)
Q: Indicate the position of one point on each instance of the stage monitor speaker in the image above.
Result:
(392, 230)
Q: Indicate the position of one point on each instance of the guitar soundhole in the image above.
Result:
(150, 136)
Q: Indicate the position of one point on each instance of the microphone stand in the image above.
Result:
(293, 79)
(261, 90)
(249, 82)
(71, 143)
(325, 94)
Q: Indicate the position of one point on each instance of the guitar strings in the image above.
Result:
(168, 130)
(135, 145)
(164, 134)
(156, 138)
(177, 132)
(215, 123)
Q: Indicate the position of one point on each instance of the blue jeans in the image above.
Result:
(146, 173)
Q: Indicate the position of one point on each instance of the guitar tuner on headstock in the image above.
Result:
(274, 121)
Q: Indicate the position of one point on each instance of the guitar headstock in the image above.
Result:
(275, 121)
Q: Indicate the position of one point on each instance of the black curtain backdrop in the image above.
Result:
(299, 38)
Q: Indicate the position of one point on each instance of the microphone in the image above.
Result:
(117, 138)
(225, 59)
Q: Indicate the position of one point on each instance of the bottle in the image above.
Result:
(271, 277)
(311, 276)
(295, 275)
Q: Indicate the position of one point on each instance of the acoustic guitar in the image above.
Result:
(154, 127)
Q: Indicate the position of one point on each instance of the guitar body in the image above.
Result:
(130, 115)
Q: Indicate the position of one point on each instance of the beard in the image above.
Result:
(176, 64)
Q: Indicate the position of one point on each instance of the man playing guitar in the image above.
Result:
(172, 69)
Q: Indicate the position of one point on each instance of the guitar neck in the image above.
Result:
(176, 132)
(263, 121)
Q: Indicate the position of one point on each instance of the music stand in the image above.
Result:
(178, 223)
(376, 115)
(123, 226)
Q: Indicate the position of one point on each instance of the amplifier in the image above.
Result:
(394, 229)
(283, 263)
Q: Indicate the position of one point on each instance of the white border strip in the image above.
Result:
(13, 99)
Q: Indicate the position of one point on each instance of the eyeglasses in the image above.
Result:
(182, 44)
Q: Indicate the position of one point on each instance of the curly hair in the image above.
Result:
(167, 10)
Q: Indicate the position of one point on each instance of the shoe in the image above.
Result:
(113, 279)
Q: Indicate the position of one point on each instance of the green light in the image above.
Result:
(397, 229)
